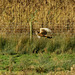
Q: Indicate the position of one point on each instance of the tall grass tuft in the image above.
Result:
(68, 43)
(52, 45)
(22, 45)
(3, 42)
(39, 45)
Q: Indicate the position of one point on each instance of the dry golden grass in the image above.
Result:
(16, 14)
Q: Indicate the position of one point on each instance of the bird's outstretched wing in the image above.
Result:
(45, 29)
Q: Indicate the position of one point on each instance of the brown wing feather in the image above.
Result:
(43, 32)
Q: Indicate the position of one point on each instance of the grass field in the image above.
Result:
(36, 63)
(19, 56)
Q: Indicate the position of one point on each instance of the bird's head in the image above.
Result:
(36, 32)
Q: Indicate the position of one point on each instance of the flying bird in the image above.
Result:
(43, 33)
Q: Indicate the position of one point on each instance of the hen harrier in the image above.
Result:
(43, 33)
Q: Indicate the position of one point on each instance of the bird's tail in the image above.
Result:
(48, 37)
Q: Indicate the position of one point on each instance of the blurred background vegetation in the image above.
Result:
(58, 15)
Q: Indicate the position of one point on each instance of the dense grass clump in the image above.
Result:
(22, 45)
(3, 42)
